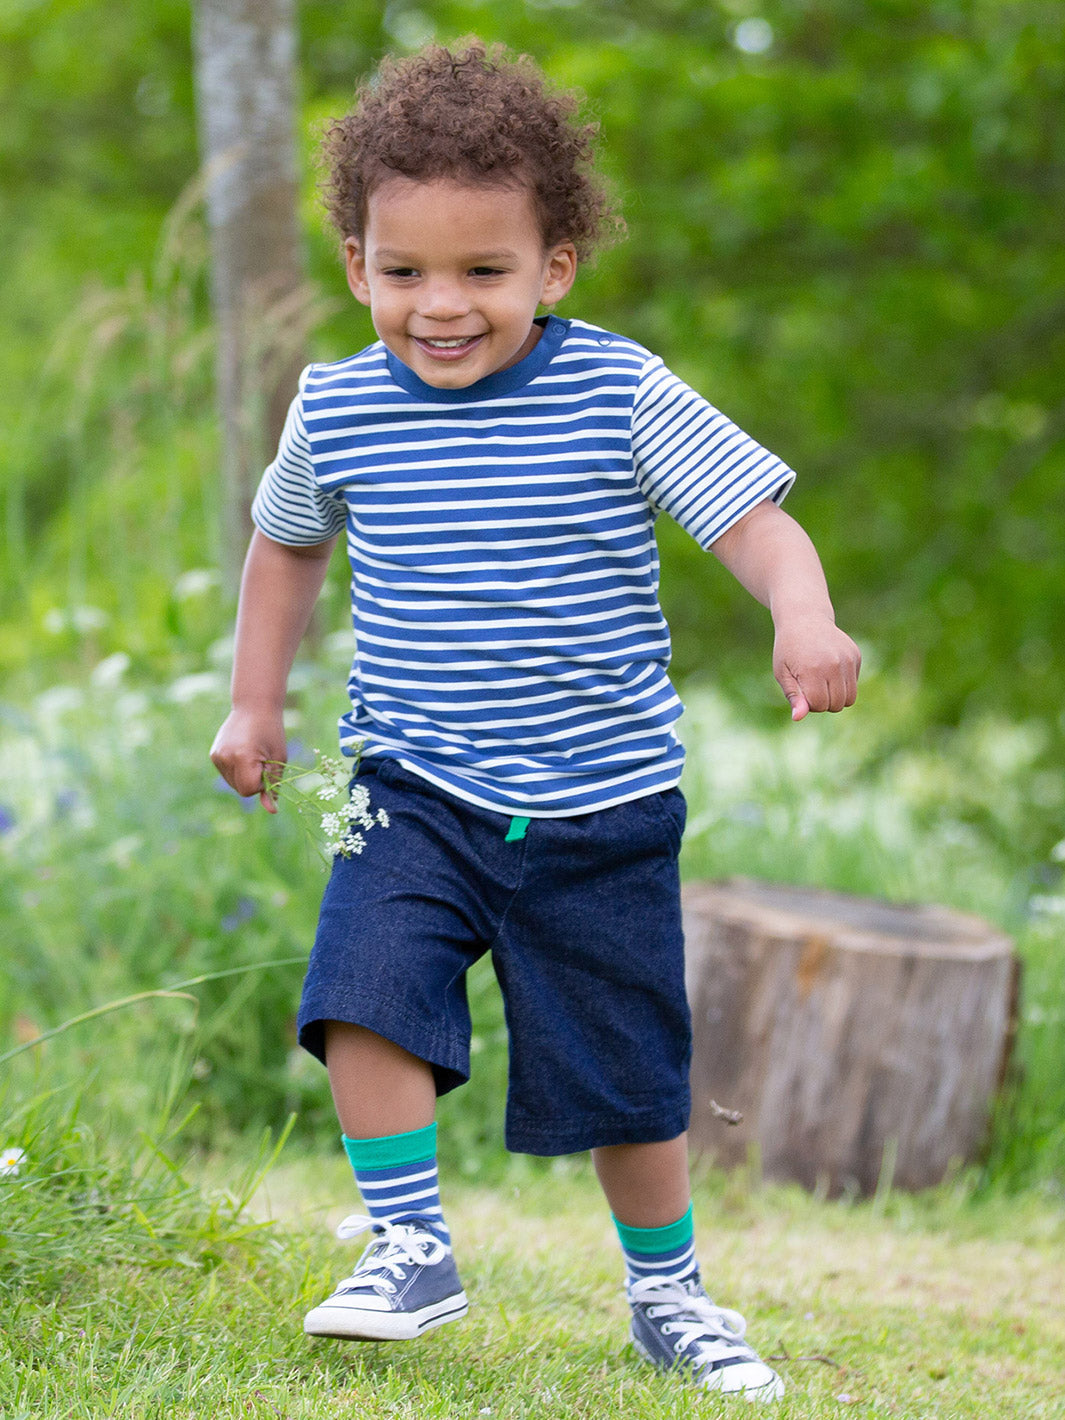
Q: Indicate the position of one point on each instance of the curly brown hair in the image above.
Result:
(480, 115)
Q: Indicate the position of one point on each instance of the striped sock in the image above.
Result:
(397, 1178)
(667, 1252)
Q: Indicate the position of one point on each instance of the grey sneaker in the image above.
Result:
(675, 1324)
(405, 1283)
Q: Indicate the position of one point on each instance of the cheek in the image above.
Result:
(385, 309)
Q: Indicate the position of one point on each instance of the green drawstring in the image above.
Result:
(516, 830)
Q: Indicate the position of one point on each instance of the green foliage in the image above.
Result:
(121, 876)
(853, 249)
(123, 432)
(843, 228)
(848, 239)
(74, 1202)
(128, 871)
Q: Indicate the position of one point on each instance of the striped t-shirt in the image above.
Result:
(509, 645)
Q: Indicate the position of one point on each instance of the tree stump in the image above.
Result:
(860, 1040)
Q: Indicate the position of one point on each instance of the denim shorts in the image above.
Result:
(582, 918)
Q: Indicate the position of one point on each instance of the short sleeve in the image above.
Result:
(694, 463)
(289, 506)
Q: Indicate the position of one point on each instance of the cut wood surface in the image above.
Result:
(861, 1040)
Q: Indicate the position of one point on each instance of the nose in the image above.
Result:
(442, 298)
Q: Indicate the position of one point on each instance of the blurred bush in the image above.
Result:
(128, 867)
(844, 229)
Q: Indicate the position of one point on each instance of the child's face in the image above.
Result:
(453, 275)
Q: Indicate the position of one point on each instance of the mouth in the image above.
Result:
(451, 348)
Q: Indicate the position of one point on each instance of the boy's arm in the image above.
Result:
(278, 590)
(815, 663)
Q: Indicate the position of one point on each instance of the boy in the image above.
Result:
(497, 475)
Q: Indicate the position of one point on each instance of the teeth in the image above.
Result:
(449, 344)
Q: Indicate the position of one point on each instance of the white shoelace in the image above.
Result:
(404, 1246)
(713, 1333)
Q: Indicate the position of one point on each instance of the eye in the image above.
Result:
(401, 273)
(486, 271)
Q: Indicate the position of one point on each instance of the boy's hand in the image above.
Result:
(277, 594)
(249, 752)
(814, 661)
(816, 664)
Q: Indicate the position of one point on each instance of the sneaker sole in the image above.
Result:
(346, 1324)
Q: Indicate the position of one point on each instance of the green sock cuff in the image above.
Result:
(652, 1240)
(417, 1146)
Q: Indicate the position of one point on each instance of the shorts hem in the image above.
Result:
(547, 1140)
(451, 1067)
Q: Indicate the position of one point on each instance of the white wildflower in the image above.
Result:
(107, 674)
(339, 643)
(189, 687)
(195, 582)
(10, 1161)
(82, 619)
(123, 851)
(319, 790)
(220, 653)
(753, 35)
(59, 700)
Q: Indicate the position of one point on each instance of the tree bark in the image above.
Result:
(245, 54)
(861, 1041)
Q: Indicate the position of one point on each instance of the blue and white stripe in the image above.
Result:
(509, 643)
(677, 1264)
(402, 1193)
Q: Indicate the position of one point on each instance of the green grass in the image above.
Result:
(910, 1307)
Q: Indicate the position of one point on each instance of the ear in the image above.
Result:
(560, 271)
(355, 265)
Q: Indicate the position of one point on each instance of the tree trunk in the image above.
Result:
(861, 1041)
(245, 88)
